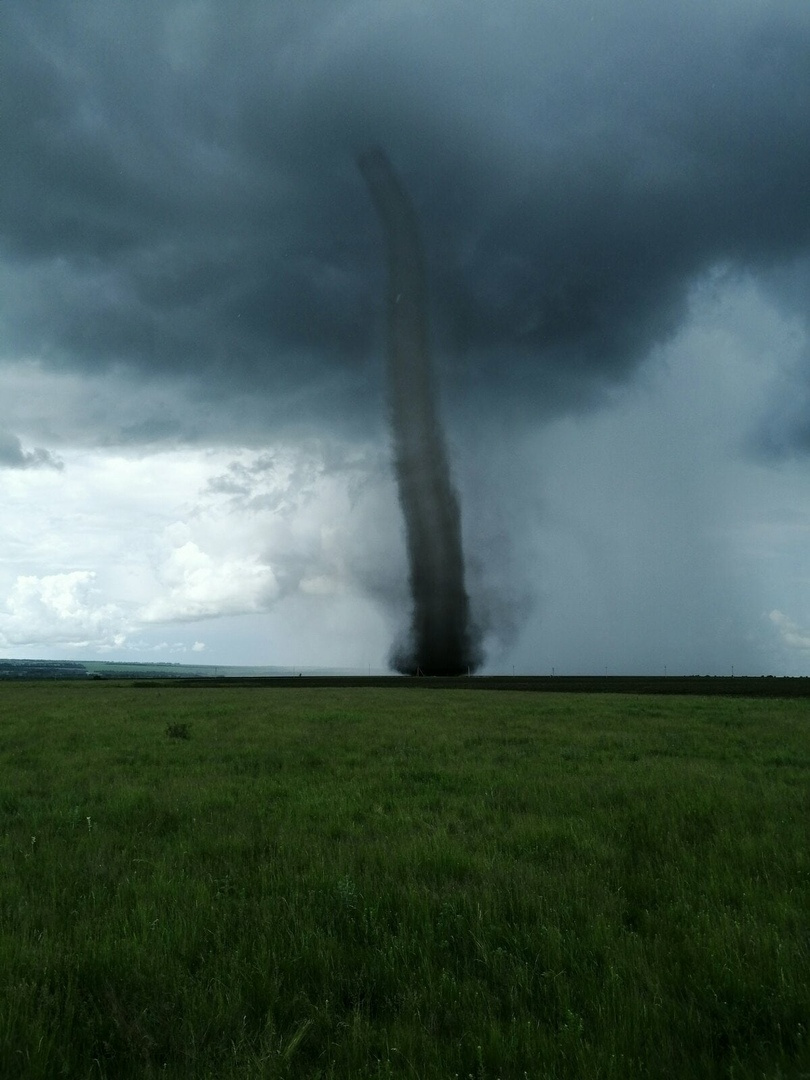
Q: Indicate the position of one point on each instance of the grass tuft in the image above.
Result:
(178, 731)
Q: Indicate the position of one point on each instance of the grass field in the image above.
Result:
(401, 883)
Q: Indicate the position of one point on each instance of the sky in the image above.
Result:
(614, 199)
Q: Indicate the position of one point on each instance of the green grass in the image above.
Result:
(401, 883)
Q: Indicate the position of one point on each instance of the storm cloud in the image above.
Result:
(179, 187)
(180, 208)
(12, 455)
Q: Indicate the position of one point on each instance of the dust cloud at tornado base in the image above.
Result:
(441, 640)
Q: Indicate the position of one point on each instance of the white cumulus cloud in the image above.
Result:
(197, 585)
(60, 608)
(792, 635)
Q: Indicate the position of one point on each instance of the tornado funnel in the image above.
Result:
(441, 640)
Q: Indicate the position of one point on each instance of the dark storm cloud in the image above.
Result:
(179, 191)
(12, 455)
(783, 428)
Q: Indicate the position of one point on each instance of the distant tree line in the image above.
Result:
(42, 669)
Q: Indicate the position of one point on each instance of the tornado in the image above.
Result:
(442, 639)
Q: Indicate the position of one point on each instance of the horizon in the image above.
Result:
(288, 670)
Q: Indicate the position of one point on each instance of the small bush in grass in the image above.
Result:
(178, 731)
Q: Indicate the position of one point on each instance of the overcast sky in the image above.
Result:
(615, 206)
